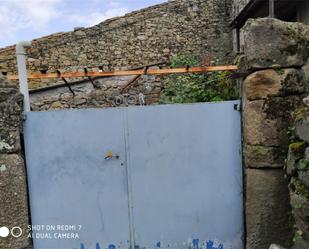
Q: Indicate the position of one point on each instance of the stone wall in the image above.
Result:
(13, 189)
(238, 6)
(274, 54)
(103, 92)
(297, 170)
(140, 38)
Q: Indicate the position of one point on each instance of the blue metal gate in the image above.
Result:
(166, 176)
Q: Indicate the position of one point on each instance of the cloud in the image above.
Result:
(94, 18)
(21, 14)
(35, 18)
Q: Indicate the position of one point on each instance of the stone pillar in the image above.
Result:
(274, 53)
(13, 188)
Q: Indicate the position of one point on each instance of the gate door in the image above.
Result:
(166, 176)
(71, 183)
(186, 176)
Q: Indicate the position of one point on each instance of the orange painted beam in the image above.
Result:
(128, 73)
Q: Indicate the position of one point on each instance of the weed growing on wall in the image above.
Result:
(197, 87)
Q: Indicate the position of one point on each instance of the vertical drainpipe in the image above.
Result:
(272, 8)
(22, 72)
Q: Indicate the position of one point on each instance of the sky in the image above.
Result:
(30, 19)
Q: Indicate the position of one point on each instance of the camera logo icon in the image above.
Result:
(16, 232)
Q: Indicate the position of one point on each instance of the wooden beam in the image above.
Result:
(128, 73)
(249, 11)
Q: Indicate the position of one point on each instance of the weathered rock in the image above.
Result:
(275, 246)
(302, 225)
(305, 68)
(13, 189)
(302, 128)
(5, 83)
(302, 164)
(267, 83)
(271, 43)
(266, 122)
(6, 93)
(13, 199)
(257, 156)
(79, 101)
(307, 153)
(56, 105)
(295, 153)
(107, 92)
(304, 177)
(9, 140)
(300, 244)
(238, 6)
(306, 101)
(299, 196)
(258, 130)
(300, 205)
(267, 208)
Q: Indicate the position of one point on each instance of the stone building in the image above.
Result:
(285, 10)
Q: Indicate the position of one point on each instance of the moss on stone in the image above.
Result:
(302, 164)
(300, 113)
(297, 147)
(258, 150)
(300, 188)
(279, 71)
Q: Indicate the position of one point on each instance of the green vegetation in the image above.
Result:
(280, 71)
(298, 147)
(290, 133)
(197, 87)
(300, 113)
(303, 164)
(296, 237)
(301, 189)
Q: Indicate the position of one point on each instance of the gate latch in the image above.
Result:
(237, 107)
(110, 155)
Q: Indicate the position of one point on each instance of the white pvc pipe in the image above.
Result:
(22, 72)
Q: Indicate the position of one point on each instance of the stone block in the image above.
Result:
(257, 156)
(9, 141)
(13, 199)
(295, 153)
(275, 246)
(271, 43)
(266, 122)
(305, 68)
(267, 209)
(304, 177)
(302, 225)
(300, 203)
(302, 128)
(267, 83)
(300, 244)
(299, 196)
(260, 130)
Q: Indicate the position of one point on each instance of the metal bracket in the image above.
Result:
(89, 78)
(187, 68)
(237, 107)
(23, 117)
(66, 82)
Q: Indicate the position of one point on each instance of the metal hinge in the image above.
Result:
(237, 107)
(23, 117)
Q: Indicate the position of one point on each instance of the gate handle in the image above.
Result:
(110, 155)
